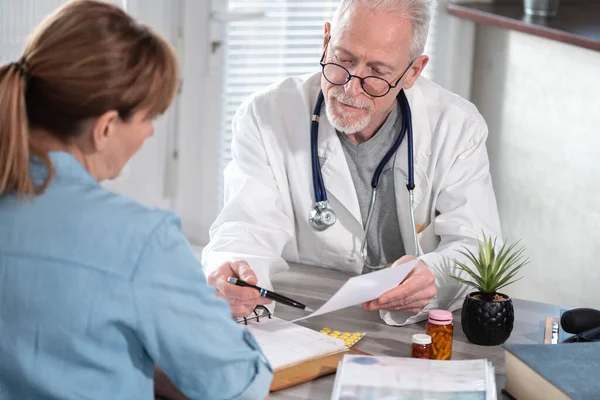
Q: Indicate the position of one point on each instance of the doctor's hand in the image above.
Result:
(242, 300)
(411, 295)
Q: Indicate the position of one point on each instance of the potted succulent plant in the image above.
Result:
(487, 315)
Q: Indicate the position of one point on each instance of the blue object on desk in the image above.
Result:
(571, 368)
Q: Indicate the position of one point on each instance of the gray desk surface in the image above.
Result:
(313, 286)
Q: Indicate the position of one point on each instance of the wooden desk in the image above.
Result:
(313, 286)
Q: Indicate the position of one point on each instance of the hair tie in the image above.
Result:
(20, 65)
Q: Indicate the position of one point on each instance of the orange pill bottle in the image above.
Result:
(439, 327)
(420, 346)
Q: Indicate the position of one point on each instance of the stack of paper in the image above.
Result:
(379, 378)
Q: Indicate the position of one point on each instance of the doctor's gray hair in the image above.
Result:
(418, 11)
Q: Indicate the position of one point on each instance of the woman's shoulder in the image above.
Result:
(114, 228)
(127, 208)
(130, 217)
(86, 225)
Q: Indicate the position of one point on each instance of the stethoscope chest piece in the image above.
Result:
(321, 216)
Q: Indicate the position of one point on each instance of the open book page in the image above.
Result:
(286, 344)
(378, 378)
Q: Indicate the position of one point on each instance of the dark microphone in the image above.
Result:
(580, 320)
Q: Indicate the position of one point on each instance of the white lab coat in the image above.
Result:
(269, 188)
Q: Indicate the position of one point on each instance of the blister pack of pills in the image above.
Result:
(349, 338)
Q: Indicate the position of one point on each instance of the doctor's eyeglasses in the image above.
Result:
(374, 86)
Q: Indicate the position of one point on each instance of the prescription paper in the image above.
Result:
(362, 288)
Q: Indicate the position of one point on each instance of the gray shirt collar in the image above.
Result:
(386, 129)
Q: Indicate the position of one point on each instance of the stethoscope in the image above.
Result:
(322, 216)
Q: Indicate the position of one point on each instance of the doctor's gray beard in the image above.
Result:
(342, 120)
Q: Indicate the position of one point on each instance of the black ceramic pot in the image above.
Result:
(487, 323)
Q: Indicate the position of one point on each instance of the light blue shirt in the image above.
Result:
(95, 289)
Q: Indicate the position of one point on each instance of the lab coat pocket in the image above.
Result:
(349, 262)
(428, 241)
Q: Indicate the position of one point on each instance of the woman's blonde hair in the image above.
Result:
(86, 58)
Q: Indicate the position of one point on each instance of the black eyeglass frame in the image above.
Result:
(361, 79)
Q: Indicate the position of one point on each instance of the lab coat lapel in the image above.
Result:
(335, 170)
(422, 151)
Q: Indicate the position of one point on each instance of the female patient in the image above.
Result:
(96, 289)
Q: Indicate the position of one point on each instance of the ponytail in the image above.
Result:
(14, 134)
(86, 58)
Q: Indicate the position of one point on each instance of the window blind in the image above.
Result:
(286, 42)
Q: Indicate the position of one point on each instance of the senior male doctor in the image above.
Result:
(269, 183)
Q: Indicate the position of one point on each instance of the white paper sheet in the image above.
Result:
(363, 288)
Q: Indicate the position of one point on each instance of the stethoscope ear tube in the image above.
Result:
(407, 119)
(321, 216)
(318, 184)
(410, 184)
(390, 153)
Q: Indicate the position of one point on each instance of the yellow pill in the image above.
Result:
(345, 335)
(337, 332)
(327, 330)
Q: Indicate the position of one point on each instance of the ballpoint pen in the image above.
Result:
(270, 295)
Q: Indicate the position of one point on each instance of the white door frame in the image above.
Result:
(196, 198)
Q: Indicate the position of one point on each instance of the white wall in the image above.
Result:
(197, 176)
(178, 167)
(541, 101)
(147, 177)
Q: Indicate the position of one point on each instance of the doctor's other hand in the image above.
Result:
(242, 300)
(411, 295)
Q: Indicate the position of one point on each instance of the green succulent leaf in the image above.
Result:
(491, 269)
